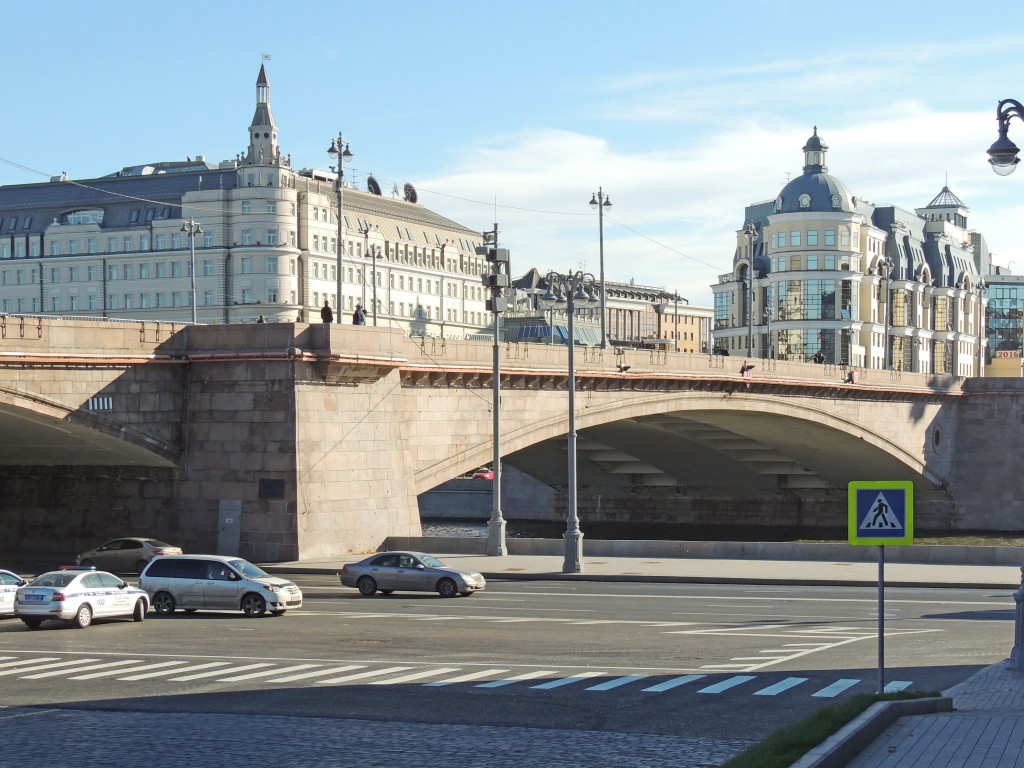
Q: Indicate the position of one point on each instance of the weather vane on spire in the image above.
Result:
(265, 57)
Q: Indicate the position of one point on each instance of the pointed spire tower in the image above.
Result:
(263, 147)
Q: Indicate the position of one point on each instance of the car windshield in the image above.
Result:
(54, 580)
(248, 570)
(431, 562)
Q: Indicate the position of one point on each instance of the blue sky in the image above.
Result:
(683, 112)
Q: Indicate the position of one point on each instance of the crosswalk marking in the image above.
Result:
(726, 684)
(518, 678)
(110, 673)
(896, 685)
(105, 665)
(161, 673)
(831, 691)
(362, 675)
(23, 662)
(415, 676)
(467, 677)
(675, 682)
(566, 680)
(264, 673)
(615, 683)
(215, 673)
(317, 673)
(779, 687)
(75, 662)
(278, 671)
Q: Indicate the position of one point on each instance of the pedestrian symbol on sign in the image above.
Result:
(880, 515)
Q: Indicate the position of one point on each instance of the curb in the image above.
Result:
(853, 738)
(598, 577)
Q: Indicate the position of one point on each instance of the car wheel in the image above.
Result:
(447, 588)
(140, 610)
(163, 603)
(140, 566)
(367, 586)
(386, 591)
(253, 605)
(84, 616)
(32, 623)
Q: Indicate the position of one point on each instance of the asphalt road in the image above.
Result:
(722, 664)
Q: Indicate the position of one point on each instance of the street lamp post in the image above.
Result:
(340, 152)
(769, 348)
(192, 228)
(600, 201)
(981, 329)
(574, 288)
(751, 234)
(884, 268)
(1003, 152)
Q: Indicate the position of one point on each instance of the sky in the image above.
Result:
(516, 113)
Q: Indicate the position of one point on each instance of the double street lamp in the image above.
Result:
(574, 289)
(192, 228)
(340, 152)
(600, 201)
(751, 233)
(884, 271)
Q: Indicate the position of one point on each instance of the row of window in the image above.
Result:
(795, 238)
(811, 262)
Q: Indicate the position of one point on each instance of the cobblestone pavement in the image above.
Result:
(73, 738)
(985, 730)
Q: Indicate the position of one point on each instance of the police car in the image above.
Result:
(9, 583)
(78, 594)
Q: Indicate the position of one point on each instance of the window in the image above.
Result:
(72, 247)
(246, 206)
(54, 248)
(782, 239)
(90, 245)
(91, 272)
(208, 239)
(272, 265)
(207, 267)
(73, 303)
(246, 237)
(247, 296)
(128, 242)
(271, 237)
(127, 272)
(794, 238)
(144, 271)
(55, 303)
(246, 265)
(73, 274)
(271, 206)
(844, 238)
(127, 301)
(19, 249)
(111, 272)
(33, 249)
(159, 270)
(112, 244)
(830, 237)
(207, 298)
(175, 240)
(161, 242)
(135, 215)
(143, 301)
(812, 237)
(175, 269)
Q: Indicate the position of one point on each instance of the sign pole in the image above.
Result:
(881, 619)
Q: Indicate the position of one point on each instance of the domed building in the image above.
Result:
(820, 275)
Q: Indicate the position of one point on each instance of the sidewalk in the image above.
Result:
(984, 730)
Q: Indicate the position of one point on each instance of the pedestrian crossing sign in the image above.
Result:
(881, 512)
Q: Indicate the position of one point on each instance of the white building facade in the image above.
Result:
(840, 280)
(265, 244)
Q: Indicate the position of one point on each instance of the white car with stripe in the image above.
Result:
(78, 595)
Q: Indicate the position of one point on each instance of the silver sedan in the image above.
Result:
(409, 572)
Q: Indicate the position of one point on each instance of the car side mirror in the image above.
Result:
(122, 585)
(421, 566)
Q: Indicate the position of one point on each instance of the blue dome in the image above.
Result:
(815, 190)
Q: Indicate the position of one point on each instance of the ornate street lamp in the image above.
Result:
(751, 234)
(340, 152)
(600, 201)
(1003, 153)
(192, 228)
(573, 289)
(885, 267)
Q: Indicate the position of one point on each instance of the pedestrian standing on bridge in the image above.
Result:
(359, 316)
(326, 314)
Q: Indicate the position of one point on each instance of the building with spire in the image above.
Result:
(822, 275)
(265, 242)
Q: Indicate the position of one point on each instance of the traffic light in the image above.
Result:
(499, 277)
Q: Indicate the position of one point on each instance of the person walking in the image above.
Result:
(326, 314)
(359, 316)
(261, 319)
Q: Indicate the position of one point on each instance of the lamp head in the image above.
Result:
(593, 200)
(1003, 153)
(333, 150)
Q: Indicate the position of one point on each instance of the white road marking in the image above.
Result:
(362, 675)
(518, 678)
(23, 662)
(615, 683)
(566, 680)
(831, 691)
(134, 669)
(215, 673)
(36, 667)
(415, 676)
(164, 672)
(782, 685)
(467, 677)
(726, 684)
(264, 673)
(319, 673)
(897, 685)
(675, 682)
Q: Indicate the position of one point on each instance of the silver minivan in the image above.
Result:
(215, 582)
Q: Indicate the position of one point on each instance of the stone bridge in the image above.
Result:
(280, 441)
